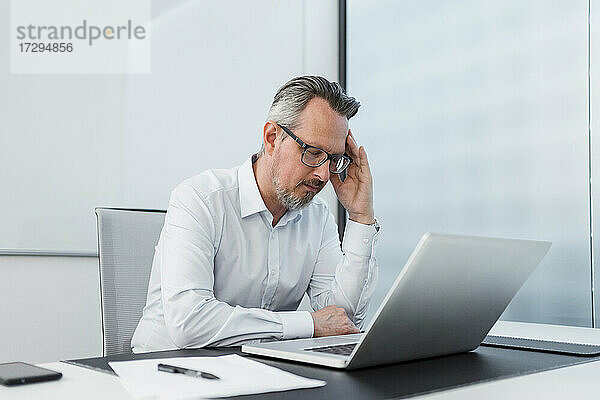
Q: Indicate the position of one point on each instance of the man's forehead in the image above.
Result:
(332, 141)
(327, 135)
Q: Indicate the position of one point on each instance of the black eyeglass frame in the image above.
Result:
(306, 147)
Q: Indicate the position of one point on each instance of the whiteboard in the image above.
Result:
(70, 143)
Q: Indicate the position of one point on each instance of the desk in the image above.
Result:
(523, 374)
(394, 381)
(576, 382)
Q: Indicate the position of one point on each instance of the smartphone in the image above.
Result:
(20, 373)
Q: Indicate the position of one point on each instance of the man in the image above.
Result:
(240, 247)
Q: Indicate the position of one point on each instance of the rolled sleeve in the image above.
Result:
(296, 324)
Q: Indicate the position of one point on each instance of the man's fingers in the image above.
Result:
(352, 145)
(351, 134)
(333, 320)
(358, 153)
(363, 158)
(352, 328)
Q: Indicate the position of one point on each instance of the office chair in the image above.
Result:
(126, 241)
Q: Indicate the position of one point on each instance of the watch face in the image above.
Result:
(375, 225)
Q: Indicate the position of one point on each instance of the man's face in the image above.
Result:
(295, 183)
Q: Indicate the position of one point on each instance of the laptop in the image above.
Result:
(445, 300)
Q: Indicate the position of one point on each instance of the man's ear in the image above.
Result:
(269, 136)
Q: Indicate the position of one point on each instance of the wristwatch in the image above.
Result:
(375, 225)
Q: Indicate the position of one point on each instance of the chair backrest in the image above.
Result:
(126, 242)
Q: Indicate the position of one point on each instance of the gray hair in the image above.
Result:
(291, 99)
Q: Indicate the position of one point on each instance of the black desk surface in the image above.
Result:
(391, 381)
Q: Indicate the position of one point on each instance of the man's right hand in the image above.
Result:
(332, 320)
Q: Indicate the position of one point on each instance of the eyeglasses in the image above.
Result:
(314, 157)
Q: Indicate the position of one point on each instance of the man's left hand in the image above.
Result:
(356, 192)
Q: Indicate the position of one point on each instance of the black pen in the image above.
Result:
(189, 372)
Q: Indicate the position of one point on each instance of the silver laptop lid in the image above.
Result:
(447, 297)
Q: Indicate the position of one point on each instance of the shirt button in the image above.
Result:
(366, 240)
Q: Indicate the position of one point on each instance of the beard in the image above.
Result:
(288, 198)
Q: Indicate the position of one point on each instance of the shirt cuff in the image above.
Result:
(296, 324)
(359, 238)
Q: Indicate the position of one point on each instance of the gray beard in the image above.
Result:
(288, 199)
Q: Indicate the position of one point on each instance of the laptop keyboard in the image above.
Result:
(340, 349)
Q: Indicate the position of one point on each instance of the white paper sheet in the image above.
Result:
(238, 376)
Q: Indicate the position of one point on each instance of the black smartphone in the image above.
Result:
(20, 373)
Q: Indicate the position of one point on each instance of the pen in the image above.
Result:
(189, 372)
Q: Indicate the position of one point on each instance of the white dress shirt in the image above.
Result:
(222, 275)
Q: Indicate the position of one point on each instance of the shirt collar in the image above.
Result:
(291, 216)
(251, 201)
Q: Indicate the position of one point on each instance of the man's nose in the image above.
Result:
(322, 171)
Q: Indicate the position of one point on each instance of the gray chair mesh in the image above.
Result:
(126, 241)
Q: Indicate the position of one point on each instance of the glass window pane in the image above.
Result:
(475, 119)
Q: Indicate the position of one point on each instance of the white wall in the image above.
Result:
(50, 305)
(78, 141)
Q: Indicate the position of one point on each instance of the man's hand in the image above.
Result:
(356, 193)
(332, 320)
